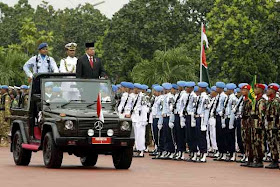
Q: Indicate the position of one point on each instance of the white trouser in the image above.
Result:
(212, 129)
(139, 131)
(208, 138)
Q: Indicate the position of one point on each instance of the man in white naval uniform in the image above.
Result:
(68, 65)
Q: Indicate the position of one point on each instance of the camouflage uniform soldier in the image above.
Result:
(5, 112)
(258, 126)
(246, 125)
(272, 124)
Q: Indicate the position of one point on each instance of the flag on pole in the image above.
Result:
(252, 95)
(99, 108)
(204, 76)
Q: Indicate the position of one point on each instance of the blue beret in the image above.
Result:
(241, 85)
(225, 89)
(237, 90)
(42, 45)
(24, 87)
(231, 86)
(144, 87)
(182, 83)
(137, 85)
(127, 85)
(158, 88)
(118, 85)
(175, 86)
(220, 85)
(190, 84)
(114, 88)
(202, 84)
(208, 90)
(195, 89)
(167, 86)
(213, 88)
(48, 84)
(149, 90)
(5, 87)
(155, 85)
(56, 89)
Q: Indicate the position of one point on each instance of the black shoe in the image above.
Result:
(218, 159)
(257, 165)
(247, 164)
(273, 165)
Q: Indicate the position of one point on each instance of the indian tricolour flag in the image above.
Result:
(204, 76)
(99, 108)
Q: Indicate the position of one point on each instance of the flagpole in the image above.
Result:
(200, 76)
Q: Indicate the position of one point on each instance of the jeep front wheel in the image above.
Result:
(89, 160)
(51, 153)
(21, 156)
(122, 158)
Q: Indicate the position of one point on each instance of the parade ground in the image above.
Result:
(143, 172)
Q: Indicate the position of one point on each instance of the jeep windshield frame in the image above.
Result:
(85, 88)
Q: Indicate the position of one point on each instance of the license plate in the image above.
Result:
(101, 140)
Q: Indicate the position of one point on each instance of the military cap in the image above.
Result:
(202, 84)
(190, 84)
(155, 85)
(71, 46)
(25, 87)
(149, 90)
(118, 85)
(5, 87)
(225, 89)
(196, 89)
(158, 88)
(241, 85)
(144, 87)
(230, 86)
(208, 90)
(213, 88)
(127, 85)
(167, 86)
(114, 88)
(246, 86)
(137, 85)
(182, 83)
(220, 85)
(262, 86)
(175, 86)
(237, 90)
(42, 45)
(56, 89)
(273, 86)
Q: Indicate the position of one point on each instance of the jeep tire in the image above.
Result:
(51, 153)
(122, 158)
(21, 156)
(89, 160)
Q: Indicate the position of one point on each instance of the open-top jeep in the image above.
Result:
(62, 117)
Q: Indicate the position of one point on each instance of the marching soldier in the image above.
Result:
(125, 87)
(273, 127)
(68, 64)
(5, 113)
(40, 63)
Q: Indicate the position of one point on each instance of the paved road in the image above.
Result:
(144, 172)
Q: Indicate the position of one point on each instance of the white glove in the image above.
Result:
(182, 122)
(171, 125)
(159, 126)
(223, 123)
(193, 121)
(231, 126)
(203, 125)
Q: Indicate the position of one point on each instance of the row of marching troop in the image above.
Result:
(223, 122)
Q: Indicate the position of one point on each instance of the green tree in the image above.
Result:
(166, 66)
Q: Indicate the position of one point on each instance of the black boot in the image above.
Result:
(273, 165)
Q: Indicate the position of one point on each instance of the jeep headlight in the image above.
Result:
(69, 125)
(110, 132)
(125, 126)
(90, 132)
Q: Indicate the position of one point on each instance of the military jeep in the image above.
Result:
(62, 117)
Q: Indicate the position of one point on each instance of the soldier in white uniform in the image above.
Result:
(125, 87)
(68, 64)
(40, 63)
